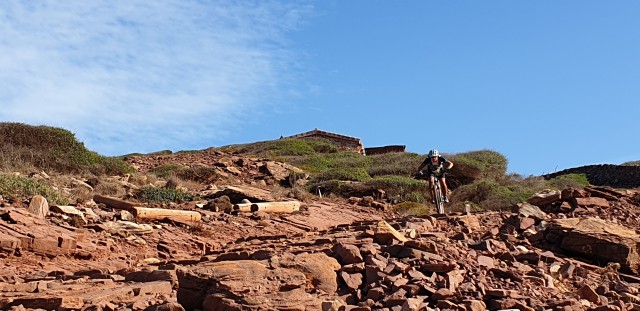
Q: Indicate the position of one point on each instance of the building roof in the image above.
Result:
(318, 132)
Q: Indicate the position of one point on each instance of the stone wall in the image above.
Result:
(617, 176)
(385, 149)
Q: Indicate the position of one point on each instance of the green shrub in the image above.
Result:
(396, 163)
(198, 173)
(201, 174)
(152, 194)
(489, 194)
(397, 188)
(50, 148)
(349, 173)
(168, 170)
(284, 147)
(15, 187)
(401, 188)
(568, 181)
(480, 164)
(319, 163)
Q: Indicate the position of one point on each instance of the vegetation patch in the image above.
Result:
(153, 194)
(397, 188)
(568, 181)
(480, 164)
(168, 170)
(489, 194)
(51, 148)
(284, 147)
(396, 163)
(319, 163)
(345, 174)
(17, 187)
(412, 208)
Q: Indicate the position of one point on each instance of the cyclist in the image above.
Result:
(435, 168)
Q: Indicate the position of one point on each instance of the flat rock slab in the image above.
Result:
(75, 298)
(245, 283)
(597, 238)
(35, 234)
(326, 215)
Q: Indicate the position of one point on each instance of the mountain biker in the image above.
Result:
(435, 167)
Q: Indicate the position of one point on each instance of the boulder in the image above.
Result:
(319, 269)
(39, 206)
(544, 198)
(530, 211)
(243, 284)
(598, 239)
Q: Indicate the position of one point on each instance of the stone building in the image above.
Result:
(341, 141)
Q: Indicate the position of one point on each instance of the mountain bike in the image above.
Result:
(437, 190)
(439, 198)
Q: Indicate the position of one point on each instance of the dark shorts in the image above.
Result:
(441, 175)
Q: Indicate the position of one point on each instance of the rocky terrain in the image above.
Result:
(247, 244)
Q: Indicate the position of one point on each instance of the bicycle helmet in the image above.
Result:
(434, 153)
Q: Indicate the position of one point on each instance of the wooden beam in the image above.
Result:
(149, 213)
(242, 207)
(162, 213)
(269, 207)
(276, 207)
(115, 203)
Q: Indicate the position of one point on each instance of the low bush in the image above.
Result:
(198, 173)
(284, 147)
(153, 194)
(51, 148)
(480, 164)
(489, 194)
(319, 163)
(167, 170)
(568, 181)
(397, 163)
(345, 174)
(18, 187)
(397, 188)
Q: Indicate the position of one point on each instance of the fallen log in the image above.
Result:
(276, 207)
(161, 213)
(147, 212)
(242, 207)
(115, 203)
(269, 207)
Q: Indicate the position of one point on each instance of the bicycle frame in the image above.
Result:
(437, 190)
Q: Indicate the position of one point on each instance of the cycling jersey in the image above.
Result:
(434, 170)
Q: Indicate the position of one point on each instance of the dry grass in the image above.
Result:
(110, 187)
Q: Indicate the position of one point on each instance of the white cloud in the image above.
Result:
(140, 76)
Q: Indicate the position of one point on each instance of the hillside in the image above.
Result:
(302, 226)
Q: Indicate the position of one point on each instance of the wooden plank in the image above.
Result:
(276, 207)
(242, 207)
(269, 207)
(147, 212)
(161, 213)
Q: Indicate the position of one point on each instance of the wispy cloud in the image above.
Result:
(138, 75)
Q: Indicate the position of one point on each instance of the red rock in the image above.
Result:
(591, 201)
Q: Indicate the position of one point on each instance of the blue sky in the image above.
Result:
(549, 84)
